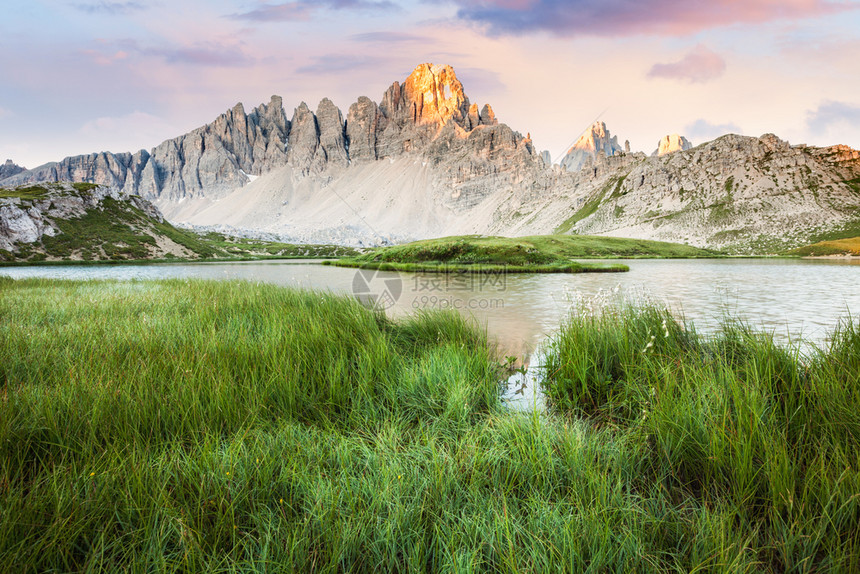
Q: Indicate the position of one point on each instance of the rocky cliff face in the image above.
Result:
(672, 143)
(596, 140)
(426, 120)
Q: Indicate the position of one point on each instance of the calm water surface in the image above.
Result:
(792, 298)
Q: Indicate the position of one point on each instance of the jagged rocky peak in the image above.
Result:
(430, 95)
(672, 143)
(271, 131)
(428, 114)
(332, 140)
(210, 160)
(773, 143)
(304, 138)
(429, 103)
(317, 140)
(362, 122)
(256, 140)
(488, 116)
(9, 169)
(594, 140)
(597, 138)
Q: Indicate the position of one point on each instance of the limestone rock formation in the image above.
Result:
(594, 141)
(9, 169)
(430, 95)
(27, 220)
(211, 160)
(427, 116)
(362, 123)
(304, 139)
(745, 194)
(672, 143)
(488, 117)
(332, 141)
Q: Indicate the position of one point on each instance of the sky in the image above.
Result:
(82, 76)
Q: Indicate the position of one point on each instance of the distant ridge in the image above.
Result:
(426, 161)
(595, 140)
(9, 169)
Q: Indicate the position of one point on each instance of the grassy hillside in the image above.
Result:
(117, 230)
(540, 253)
(849, 246)
(113, 229)
(244, 247)
(186, 426)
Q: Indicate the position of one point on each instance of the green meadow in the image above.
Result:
(534, 254)
(179, 426)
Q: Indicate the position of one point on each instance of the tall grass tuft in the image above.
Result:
(752, 441)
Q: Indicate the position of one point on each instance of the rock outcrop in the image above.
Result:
(9, 169)
(26, 219)
(317, 141)
(362, 125)
(672, 143)
(332, 136)
(594, 141)
(744, 194)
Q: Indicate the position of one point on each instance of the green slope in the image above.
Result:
(117, 230)
(848, 246)
(539, 253)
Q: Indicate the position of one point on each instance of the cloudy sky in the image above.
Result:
(79, 76)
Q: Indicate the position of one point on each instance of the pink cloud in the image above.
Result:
(628, 18)
(103, 59)
(831, 114)
(702, 130)
(225, 52)
(299, 10)
(111, 8)
(127, 132)
(700, 65)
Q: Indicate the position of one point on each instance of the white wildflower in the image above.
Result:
(649, 345)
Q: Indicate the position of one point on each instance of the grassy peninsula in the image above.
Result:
(535, 254)
(201, 426)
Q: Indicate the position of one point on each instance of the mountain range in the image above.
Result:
(426, 162)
